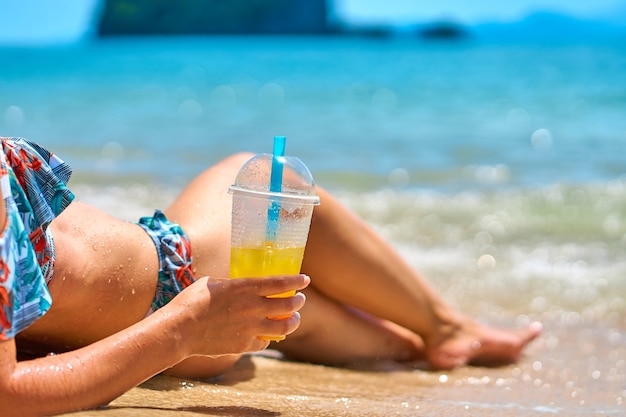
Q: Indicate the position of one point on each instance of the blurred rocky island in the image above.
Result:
(244, 17)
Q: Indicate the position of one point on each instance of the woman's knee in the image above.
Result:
(233, 162)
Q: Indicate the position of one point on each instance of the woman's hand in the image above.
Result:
(222, 316)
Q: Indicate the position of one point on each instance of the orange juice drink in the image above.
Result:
(266, 261)
(273, 200)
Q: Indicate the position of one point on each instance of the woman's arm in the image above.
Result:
(209, 318)
(87, 377)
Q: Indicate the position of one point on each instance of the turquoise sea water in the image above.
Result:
(452, 116)
(492, 166)
(497, 169)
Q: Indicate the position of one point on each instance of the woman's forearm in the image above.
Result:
(91, 376)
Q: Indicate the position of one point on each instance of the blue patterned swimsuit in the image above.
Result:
(174, 250)
(33, 183)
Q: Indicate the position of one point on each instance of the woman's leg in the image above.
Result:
(332, 333)
(350, 263)
(203, 210)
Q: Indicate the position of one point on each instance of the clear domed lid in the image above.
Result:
(256, 176)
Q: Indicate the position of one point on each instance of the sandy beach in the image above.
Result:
(570, 371)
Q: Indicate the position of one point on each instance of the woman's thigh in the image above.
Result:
(203, 210)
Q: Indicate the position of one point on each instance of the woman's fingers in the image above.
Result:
(281, 327)
(268, 286)
(278, 307)
(265, 286)
(280, 314)
(234, 313)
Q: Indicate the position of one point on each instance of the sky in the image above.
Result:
(59, 21)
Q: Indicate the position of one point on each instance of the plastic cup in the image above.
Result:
(269, 229)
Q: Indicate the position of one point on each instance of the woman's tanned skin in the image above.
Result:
(105, 279)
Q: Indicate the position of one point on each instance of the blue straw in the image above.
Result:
(276, 186)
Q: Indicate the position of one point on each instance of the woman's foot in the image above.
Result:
(474, 344)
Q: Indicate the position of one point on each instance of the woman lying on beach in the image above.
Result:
(129, 303)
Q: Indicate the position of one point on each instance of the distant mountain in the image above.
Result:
(553, 26)
(540, 25)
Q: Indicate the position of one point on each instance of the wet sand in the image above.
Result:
(575, 370)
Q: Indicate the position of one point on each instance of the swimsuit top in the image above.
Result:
(33, 183)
